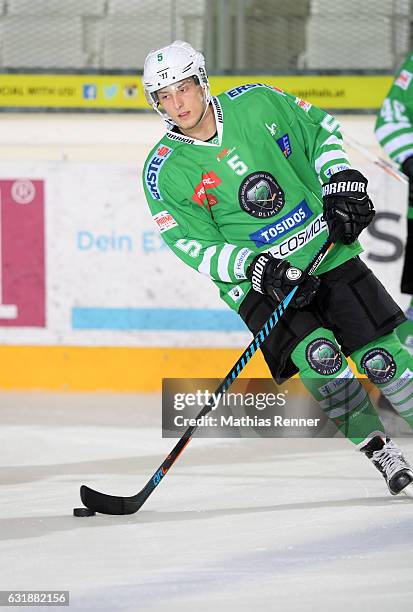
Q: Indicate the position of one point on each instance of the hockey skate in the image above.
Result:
(389, 460)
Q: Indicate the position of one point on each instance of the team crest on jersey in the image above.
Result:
(260, 195)
(324, 357)
(153, 169)
(404, 79)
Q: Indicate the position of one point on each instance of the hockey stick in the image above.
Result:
(383, 164)
(112, 504)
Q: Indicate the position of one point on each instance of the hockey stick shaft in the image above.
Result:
(383, 164)
(110, 504)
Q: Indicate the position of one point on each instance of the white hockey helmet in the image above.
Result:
(169, 65)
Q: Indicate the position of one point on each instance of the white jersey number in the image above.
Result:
(393, 111)
(191, 247)
(238, 166)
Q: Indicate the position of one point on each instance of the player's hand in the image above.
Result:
(347, 206)
(277, 277)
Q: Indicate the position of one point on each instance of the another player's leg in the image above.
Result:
(405, 330)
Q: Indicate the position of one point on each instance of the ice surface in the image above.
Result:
(288, 525)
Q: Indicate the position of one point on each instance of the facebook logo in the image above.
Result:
(89, 91)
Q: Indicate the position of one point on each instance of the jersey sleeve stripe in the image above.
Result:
(336, 155)
(205, 265)
(223, 262)
(332, 140)
(400, 157)
(390, 128)
(401, 132)
(398, 143)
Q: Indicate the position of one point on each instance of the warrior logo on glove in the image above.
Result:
(344, 187)
(347, 207)
(277, 277)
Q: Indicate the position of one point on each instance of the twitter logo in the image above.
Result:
(110, 91)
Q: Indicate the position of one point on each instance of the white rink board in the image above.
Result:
(102, 247)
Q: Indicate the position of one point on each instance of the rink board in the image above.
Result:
(100, 302)
(114, 91)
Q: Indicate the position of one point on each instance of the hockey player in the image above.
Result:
(394, 131)
(235, 187)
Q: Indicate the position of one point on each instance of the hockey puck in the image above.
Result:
(83, 512)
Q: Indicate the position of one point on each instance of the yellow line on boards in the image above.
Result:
(75, 368)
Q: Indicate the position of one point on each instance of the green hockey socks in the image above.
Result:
(390, 367)
(327, 375)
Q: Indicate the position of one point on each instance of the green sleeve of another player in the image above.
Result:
(394, 125)
(191, 233)
(320, 136)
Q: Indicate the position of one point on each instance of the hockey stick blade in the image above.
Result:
(113, 504)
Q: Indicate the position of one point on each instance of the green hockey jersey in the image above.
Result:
(394, 125)
(255, 187)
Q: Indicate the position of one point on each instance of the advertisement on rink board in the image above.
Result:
(84, 264)
(124, 91)
(71, 91)
(22, 250)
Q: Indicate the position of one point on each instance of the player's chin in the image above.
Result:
(186, 122)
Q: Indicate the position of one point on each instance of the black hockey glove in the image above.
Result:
(347, 207)
(276, 278)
